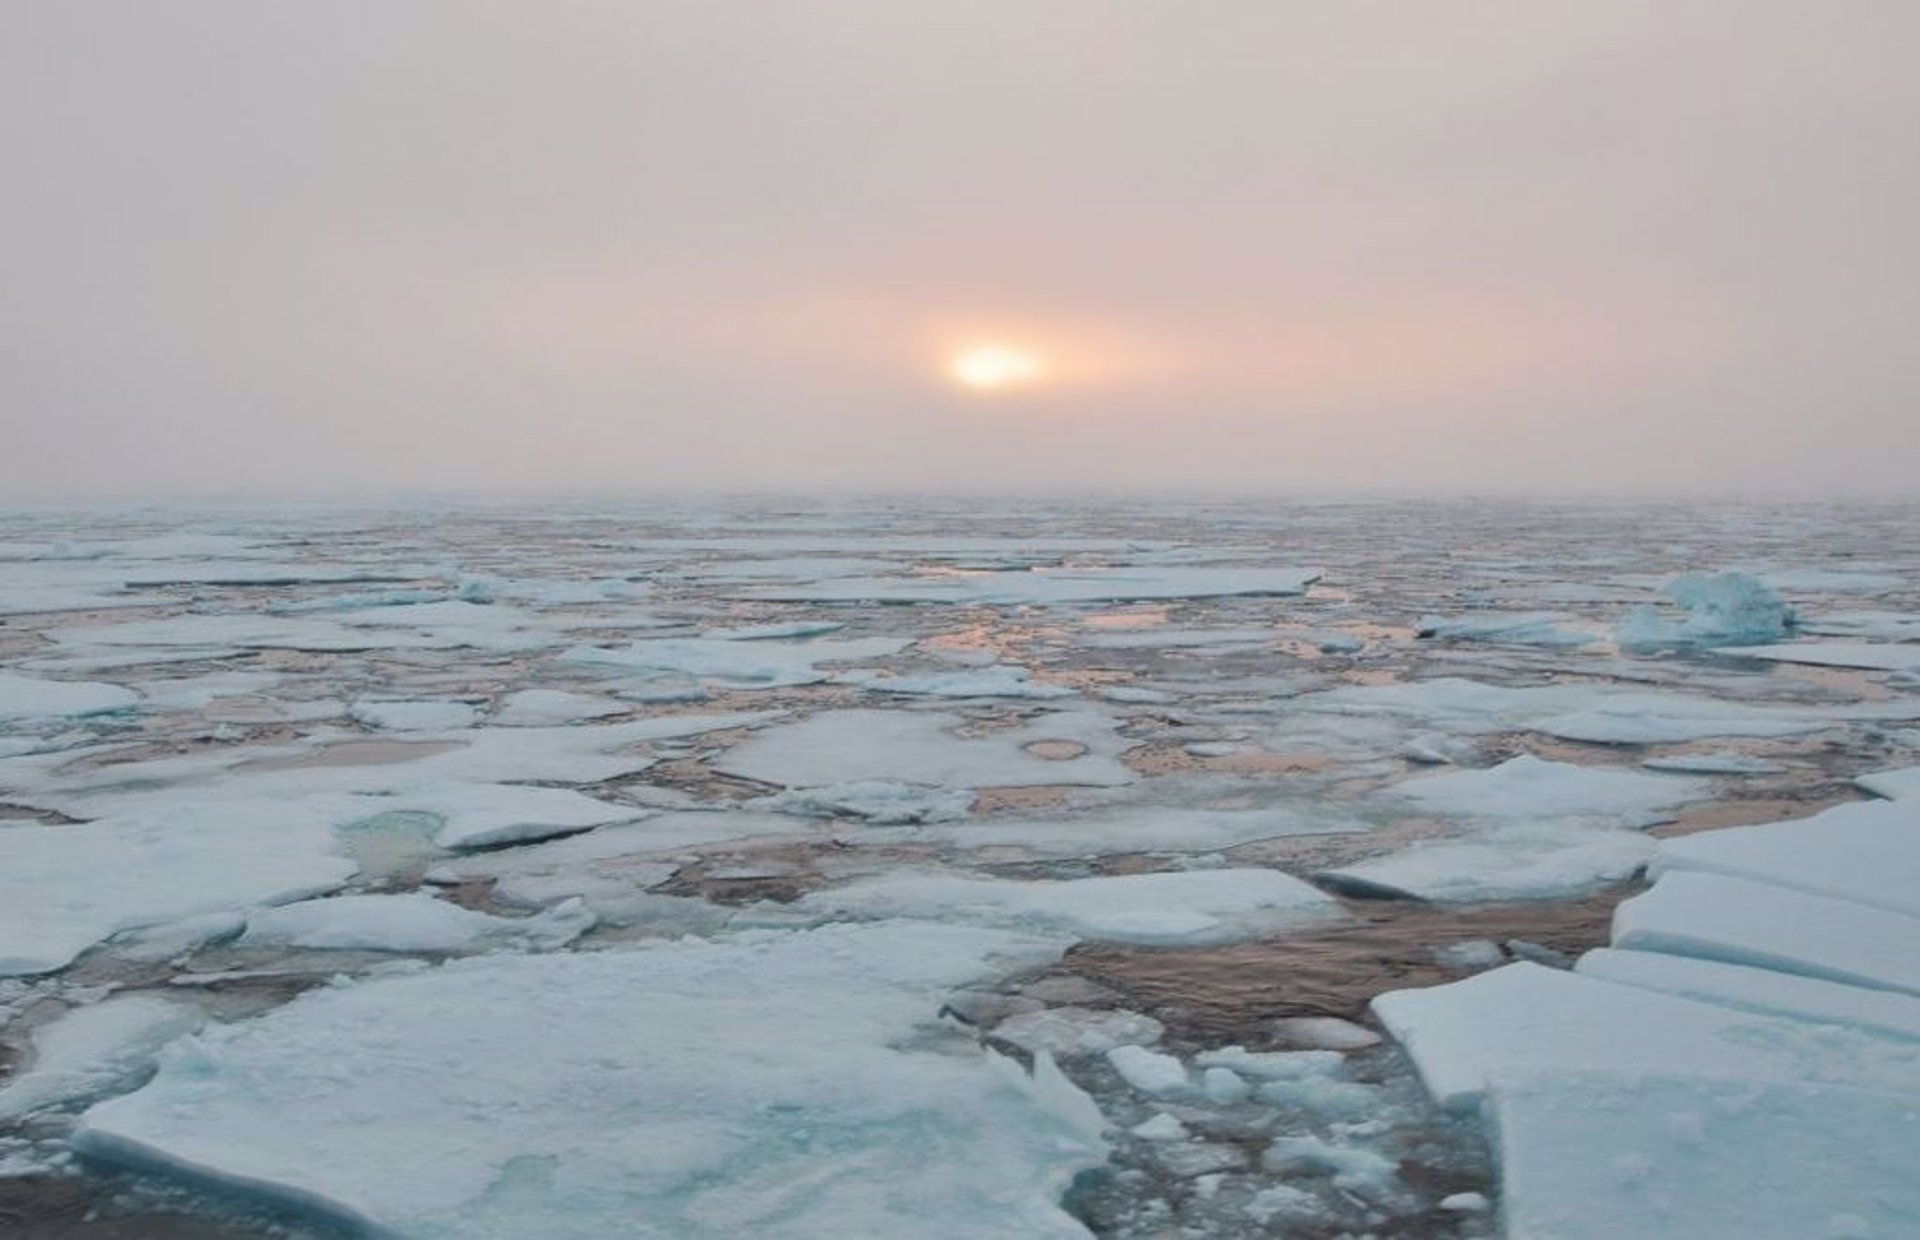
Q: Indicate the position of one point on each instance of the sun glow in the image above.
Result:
(995, 367)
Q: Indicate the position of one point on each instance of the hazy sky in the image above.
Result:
(294, 248)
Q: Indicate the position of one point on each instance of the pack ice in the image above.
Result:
(680, 1089)
(1745, 1059)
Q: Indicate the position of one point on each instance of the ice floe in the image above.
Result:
(1044, 586)
(71, 886)
(996, 681)
(1755, 989)
(1534, 628)
(657, 1104)
(1177, 907)
(29, 697)
(89, 1051)
(1725, 609)
(1867, 852)
(747, 664)
(408, 923)
(1872, 656)
(852, 746)
(1741, 922)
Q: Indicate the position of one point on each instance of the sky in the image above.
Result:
(375, 247)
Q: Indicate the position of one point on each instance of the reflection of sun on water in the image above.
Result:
(995, 367)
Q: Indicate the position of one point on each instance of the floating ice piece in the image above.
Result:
(29, 697)
(1534, 789)
(753, 664)
(1894, 785)
(1879, 626)
(175, 939)
(1046, 586)
(413, 716)
(1067, 1032)
(1527, 1023)
(612, 867)
(251, 631)
(1867, 852)
(1828, 581)
(1533, 628)
(1524, 861)
(1757, 990)
(1181, 639)
(1175, 907)
(879, 801)
(1658, 1156)
(1741, 922)
(1714, 764)
(1582, 712)
(1137, 828)
(1873, 656)
(547, 707)
(774, 632)
(1150, 1072)
(1162, 1127)
(92, 1050)
(1324, 1033)
(69, 887)
(1354, 1168)
(486, 815)
(851, 746)
(408, 923)
(1727, 609)
(783, 1117)
(1274, 1065)
(998, 680)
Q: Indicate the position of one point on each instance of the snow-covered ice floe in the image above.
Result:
(680, 1089)
(1175, 907)
(1745, 1060)
(1870, 656)
(849, 746)
(30, 697)
(72, 886)
(1535, 829)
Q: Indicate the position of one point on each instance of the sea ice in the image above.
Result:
(852, 746)
(1521, 861)
(1582, 712)
(995, 681)
(1595, 1156)
(1046, 586)
(71, 886)
(1172, 907)
(1527, 1023)
(1534, 628)
(1750, 989)
(878, 801)
(1122, 829)
(1150, 1072)
(548, 707)
(29, 697)
(1713, 764)
(1069, 1032)
(1894, 785)
(1727, 609)
(408, 923)
(746, 664)
(679, 1089)
(413, 716)
(1873, 656)
(91, 1050)
(1867, 852)
(1742, 922)
(1527, 787)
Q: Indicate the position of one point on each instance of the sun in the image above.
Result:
(995, 367)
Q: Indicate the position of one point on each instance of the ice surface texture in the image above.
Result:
(1745, 1060)
(681, 1090)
